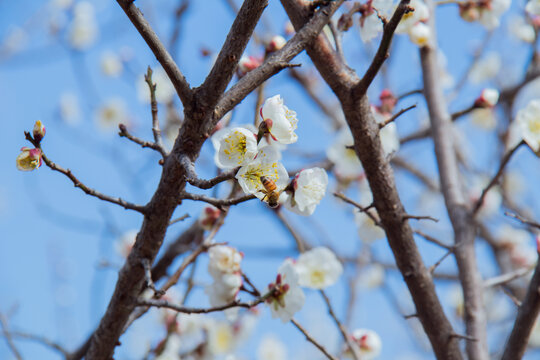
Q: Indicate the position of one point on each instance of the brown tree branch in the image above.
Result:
(464, 229)
(8, 337)
(313, 341)
(162, 55)
(145, 144)
(80, 185)
(525, 320)
(368, 148)
(277, 61)
(215, 201)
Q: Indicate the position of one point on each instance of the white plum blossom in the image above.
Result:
(221, 339)
(521, 29)
(237, 147)
(369, 343)
(420, 34)
(271, 348)
(111, 114)
(371, 276)
(309, 187)
(171, 351)
(491, 13)
(533, 7)
(223, 260)
(265, 164)
(488, 98)
(370, 27)
(224, 289)
(288, 297)
(280, 121)
(410, 19)
(486, 68)
(388, 134)
(318, 268)
(69, 108)
(527, 124)
(276, 43)
(346, 163)
(124, 244)
(111, 64)
(84, 29)
(368, 230)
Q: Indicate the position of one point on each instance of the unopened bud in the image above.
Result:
(39, 131)
(276, 43)
(469, 12)
(209, 217)
(487, 99)
(388, 101)
(248, 63)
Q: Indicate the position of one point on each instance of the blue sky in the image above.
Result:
(54, 237)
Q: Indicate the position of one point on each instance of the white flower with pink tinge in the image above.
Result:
(369, 343)
(287, 297)
(309, 187)
(224, 289)
(527, 125)
(280, 121)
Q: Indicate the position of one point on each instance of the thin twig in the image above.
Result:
(190, 310)
(9, 339)
(433, 240)
(354, 350)
(359, 207)
(162, 55)
(178, 219)
(38, 339)
(523, 220)
(80, 185)
(219, 203)
(313, 341)
(507, 277)
(193, 179)
(153, 105)
(434, 266)
(143, 143)
(395, 116)
(495, 178)
(420, 217)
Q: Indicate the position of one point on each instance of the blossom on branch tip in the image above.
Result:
(318, 268)
(276, 43)
(248, 63)
(266, 164)
(280, 121)
(527, 124)
(368, 342)
(308, 189)
(487, 99)
(237, 147)
(420, 34)
(39, 131)
(29, 159)
(533, 7)
(287, 297)
(209, 216)
(410, 19)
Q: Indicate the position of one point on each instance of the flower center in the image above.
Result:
(317, 277)
(236, 145)
(534, 126)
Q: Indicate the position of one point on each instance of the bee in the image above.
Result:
(270, 192)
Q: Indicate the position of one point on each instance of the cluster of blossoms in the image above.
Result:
(317, 268)
(526, 127)
(347, 166)
(413, 23)
(224, 267)
(486, 12)
(251, 62)
(31, 159)
(257, 153)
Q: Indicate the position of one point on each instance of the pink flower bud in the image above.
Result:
(39, 131)
(487, 99)
(209, 217)
(388, 102)
(248, 63)
(276, 43)
(289, 28)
